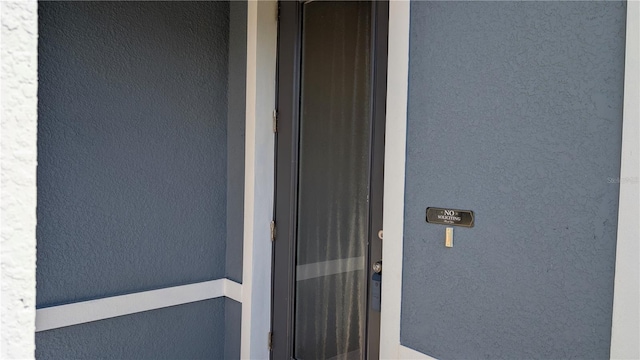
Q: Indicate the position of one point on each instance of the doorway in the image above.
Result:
(329, 179)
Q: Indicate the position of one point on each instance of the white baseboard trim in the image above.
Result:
(93, 310)
(233, 290)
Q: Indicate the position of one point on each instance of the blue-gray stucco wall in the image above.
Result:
(235, 137)
(232, 332)
(189, 331)
(132, 111)
(140, 171)
(515, 112)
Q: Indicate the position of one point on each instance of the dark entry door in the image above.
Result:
(330, 149)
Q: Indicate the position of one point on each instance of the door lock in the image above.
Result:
(376, 285)
(377, 267)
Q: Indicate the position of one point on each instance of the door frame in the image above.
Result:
(287, 156)
(394, 181)
(261, 44)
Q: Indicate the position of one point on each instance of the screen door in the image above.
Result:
(330, 139)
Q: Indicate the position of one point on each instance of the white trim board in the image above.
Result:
(93, 310)
(232, 290)
(395, 158)
(262, 29)
(625, 326)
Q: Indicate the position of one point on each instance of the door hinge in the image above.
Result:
(273, 230)
(270, 340)
(275, 120)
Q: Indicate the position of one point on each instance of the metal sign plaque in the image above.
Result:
(450, 217)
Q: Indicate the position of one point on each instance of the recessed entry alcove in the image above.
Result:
(141, 113)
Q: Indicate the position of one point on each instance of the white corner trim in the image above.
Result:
(395, 156)
(625, 327)
(259, 178)
(233, 290)
(93, 310)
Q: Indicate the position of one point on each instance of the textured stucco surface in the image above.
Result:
(232, 317)
(131, 147)
(189, 331)
(235, 137)
(515, 113)
(18, 167)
